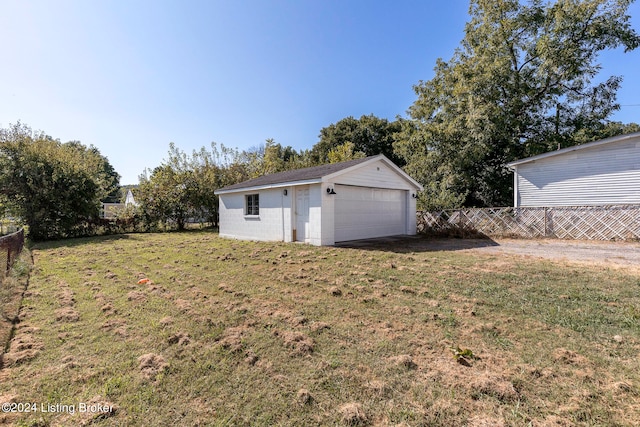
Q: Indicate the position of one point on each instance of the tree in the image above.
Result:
(183, 186)
(521, 83)
(271, 157)
(344, 152)
(54, 188)
(368, 134)
(103, 173)
(163, 196)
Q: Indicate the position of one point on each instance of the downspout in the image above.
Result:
(515, 186)
(282, 212)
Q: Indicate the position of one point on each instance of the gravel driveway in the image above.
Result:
(623, 253)
(611, 253)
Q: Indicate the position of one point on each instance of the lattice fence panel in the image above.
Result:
(595, 223)
(621, 222)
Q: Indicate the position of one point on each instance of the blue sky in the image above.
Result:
(129, 77)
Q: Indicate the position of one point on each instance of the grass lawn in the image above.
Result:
(244, 333)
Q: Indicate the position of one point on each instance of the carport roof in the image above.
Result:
(307, 175)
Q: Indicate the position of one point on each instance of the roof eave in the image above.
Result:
(268, 186)
(591, 144)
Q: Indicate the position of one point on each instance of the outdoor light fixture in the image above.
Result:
(330, 191)
(414, 195)
(285, 192)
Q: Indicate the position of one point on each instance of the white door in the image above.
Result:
(364, 212)
(302, 214)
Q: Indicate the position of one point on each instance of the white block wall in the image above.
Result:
(272, 224)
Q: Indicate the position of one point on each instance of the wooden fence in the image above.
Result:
(10, 247)
(619, 222)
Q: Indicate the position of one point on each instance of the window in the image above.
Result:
(252, 204)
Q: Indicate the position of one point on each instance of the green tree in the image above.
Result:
(163, 197)
(101, 170)
(344, 152)
(54, 188)
(370, 135)
(182, 188)
(521, 83)
(271, 157)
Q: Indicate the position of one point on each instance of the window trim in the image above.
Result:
(252, 205)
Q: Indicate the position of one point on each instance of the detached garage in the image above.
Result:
(322, 205)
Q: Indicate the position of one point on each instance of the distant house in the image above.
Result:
(129, 200)
(605, 172)
(110, 210)
(322, 205)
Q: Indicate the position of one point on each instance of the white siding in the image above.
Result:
(376, 174)
(272, 224)
(316, 215)
(602, 175)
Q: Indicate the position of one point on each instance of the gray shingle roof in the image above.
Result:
(305, 174)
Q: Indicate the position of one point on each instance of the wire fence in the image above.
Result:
(615, 222)
(10, 247)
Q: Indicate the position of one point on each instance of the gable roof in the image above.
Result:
(310, 175)
(611, 140)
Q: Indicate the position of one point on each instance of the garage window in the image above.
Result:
(252, 204)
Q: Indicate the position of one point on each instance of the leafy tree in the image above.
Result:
(104, 174)
(163, 197)
(344, 152)
(182, 188)
(271, 157)
(521, 83)
(368, 134)
(606, 130)
(54, 188)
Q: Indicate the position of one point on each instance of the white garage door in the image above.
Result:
(362, 212)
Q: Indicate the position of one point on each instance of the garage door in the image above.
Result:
(363, 212)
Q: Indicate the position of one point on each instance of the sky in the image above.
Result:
(131, 76)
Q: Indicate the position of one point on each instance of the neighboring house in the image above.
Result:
(605, 172)
(322, 205)
(110, 210)
(129, 200)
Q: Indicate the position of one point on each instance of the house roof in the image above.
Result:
(308, 175)
(611, 140)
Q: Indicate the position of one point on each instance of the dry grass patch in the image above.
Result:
(150, 365)
(299, 343)
(23, 347)
(353, 414)
(12, 287)
(67, 314)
